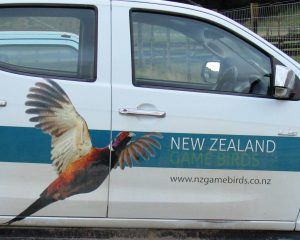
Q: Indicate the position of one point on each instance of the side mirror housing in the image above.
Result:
(284, 84)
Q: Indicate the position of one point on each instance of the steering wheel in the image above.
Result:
(228, 79)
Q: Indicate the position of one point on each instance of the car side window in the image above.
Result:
(50, 41)
(179, 52)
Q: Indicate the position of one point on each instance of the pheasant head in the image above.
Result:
(121, 141)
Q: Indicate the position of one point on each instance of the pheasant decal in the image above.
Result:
(81, 168)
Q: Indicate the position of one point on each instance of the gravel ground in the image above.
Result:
(135, 234)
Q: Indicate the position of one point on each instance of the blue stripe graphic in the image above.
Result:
(31, 145)
(203, 151)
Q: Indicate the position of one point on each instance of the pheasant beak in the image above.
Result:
(131, 134)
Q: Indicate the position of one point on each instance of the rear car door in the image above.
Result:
(45, 46)
(207, 90)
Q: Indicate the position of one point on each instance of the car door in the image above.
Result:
(204, 84)
(48, 55)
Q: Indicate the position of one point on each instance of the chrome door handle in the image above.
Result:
(3, 103)
(288, 134)
(140, 112)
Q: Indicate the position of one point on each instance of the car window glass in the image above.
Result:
(48, 41)
(59, 58)
(186, 53)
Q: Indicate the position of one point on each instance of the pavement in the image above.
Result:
(18, 233)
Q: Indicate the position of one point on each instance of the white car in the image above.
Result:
(25, 48)
(167, 115)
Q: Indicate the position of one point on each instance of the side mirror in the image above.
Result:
(210, 72)
(284, 82)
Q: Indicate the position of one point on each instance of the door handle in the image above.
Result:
(140, 112)
(3, 103)
(288, 134)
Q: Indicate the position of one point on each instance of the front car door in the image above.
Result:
(221, 156)
(45, 50)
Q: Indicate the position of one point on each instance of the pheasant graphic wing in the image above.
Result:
(141, 148)
(56, 115)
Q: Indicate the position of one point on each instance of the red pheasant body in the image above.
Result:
(82, 176)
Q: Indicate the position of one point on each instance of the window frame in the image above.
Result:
(168, 86)
(54, 76)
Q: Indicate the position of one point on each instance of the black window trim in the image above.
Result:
(169, 86)
(58, 5)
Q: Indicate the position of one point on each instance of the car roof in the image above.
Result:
(39, 37)
(167, 2)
